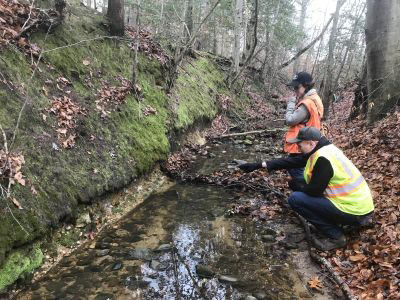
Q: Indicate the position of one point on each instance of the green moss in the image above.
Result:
(126, 143)
(196, 92)
(19, 263)
(69, 238)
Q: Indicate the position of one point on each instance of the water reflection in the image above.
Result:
(154, 251)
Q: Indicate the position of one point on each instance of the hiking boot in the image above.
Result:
(329, 243)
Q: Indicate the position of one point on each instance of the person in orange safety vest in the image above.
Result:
(303, 110)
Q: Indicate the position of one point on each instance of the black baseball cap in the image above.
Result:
(301, 78)
(306, 134)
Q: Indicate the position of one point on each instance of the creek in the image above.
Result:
(182, 244)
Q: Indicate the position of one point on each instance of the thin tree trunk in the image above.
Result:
(253, 44)
(238, 35)
(136, 48)
(215, 36)
(360, 102)
(319, 48)
(189, 20)
(348, 45)
(304, 4)
(161, 17)
(328, 80)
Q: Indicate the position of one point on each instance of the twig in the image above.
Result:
(27, 20)
(27, 97)
(81, 42)
(249, 132)
(178, 295)
(335, 276)
(188, 270)
(7, 194)
(322, 261)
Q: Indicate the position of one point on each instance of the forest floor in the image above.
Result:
(369, 265)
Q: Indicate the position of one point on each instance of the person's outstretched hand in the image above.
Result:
(247, 167)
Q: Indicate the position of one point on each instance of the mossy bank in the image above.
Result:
(109, 152)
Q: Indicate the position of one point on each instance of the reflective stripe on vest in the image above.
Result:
(347, 189)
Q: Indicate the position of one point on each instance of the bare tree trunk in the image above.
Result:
(215, 36)
(136, 48)
(383, 57)
(180, 52)
(238, 34)
(89, 3)
(304, 4)
(189, 20)
(115, 14)
(160, 24)
(360, 102)
(253, 43)
(249, 38)
(319, 48)
(328, 80)
(356, 22)
(104, 7)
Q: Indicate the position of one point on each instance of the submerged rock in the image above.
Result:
(228, 279)
(268, 238)
(135, 283)
(164, 247)
(102, 252)
(260, 295)
(117, 265)
(250, 298)
(158, 266)
(204, 271)
(269, 231)
(141, 254)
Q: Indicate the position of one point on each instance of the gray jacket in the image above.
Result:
(300, 115)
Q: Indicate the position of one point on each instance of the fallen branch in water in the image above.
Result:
(249, 132)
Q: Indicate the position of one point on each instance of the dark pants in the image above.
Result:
(297, 174)
(320, 212)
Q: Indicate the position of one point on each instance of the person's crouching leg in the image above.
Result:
(319, 211)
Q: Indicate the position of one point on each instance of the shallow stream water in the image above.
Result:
(178, 244)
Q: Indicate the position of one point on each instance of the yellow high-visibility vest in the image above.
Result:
(347, 189)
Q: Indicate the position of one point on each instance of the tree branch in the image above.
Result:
(298, 54)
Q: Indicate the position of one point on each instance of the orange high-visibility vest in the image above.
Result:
(315, 108)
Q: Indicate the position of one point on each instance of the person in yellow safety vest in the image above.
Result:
(333, 192)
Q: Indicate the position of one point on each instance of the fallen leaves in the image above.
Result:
(147, 45)
(67, 112)
(149, 110)
(371, 267)
(110, 97)
(10, 167)
(14, 17)
(315, 283)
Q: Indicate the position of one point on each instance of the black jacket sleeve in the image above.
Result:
(322, 174)
(291, 162)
